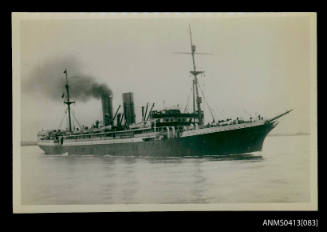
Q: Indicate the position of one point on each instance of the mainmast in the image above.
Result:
(196, 98)
(68, 102)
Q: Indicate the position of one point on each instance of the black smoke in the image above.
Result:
(83, 87)
(47, 79)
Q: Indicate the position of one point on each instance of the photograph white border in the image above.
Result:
(18, 207)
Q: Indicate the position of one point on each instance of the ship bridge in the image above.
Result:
(171, 117)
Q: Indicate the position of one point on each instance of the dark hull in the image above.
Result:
(236, 141)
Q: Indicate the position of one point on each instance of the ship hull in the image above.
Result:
(243, 140)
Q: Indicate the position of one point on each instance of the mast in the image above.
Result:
(197, 100)
(68, 102)
(195, 73)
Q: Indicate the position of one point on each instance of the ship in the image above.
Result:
(165, 132)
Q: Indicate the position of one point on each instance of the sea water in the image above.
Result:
(278, 173)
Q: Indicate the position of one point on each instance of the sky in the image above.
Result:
(261, 64)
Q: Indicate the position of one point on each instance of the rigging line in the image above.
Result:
(188, 100)
(213, 113)
(67, 123)
(76, 119)
(61, 121)
(213, 118)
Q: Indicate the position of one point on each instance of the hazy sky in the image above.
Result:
(261, 64)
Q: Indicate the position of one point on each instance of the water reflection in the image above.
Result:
(236, 157)
(199, 182)
(154, 159)
(180, 159)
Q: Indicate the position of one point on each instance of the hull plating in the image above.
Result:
(237, 141)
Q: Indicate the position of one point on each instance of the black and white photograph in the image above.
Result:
(164, 112)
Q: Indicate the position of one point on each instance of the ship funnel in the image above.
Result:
(128, 104)
(107, 109)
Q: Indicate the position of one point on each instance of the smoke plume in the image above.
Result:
(48, 80)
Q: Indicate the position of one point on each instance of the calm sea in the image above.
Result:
(280, 173)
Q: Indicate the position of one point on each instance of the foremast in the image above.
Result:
(68, 102)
